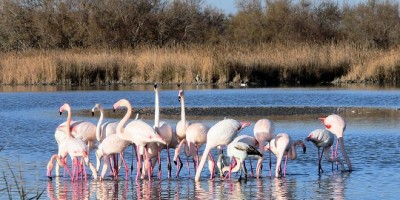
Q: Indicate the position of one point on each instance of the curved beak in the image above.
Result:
(92, 114)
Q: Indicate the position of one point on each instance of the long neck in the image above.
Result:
(344, 153)
(157, 110)
(121, 124)
(68, 125)
(98, 127)
(183, 116)
(292, 151)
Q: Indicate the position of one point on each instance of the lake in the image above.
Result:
(29, 116)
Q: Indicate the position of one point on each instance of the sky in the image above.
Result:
(229, 7)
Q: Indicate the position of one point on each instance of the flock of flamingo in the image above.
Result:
(110, 139)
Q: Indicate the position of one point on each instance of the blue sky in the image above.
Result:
(228, 6)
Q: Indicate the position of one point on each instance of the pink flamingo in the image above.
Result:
(238, 150)
(337, 126)
(263, 132)
(196, 136)
(222, 133)
(103, 131)
(283, 145)
(137, 132)
(112, 145)
(181, 127)
(75, 147)
(323, 138)
(165, 131)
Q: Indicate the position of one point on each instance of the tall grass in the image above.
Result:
(19, 184)
(264, 63)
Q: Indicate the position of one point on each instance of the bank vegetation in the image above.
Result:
(268, 42)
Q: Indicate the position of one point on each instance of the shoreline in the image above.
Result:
(248, 112)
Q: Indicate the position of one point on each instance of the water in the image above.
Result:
(28, 118)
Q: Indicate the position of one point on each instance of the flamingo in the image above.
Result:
(60, 161)
(222, 133)
(337, 126)
(238, 150)
(263, 132)
(196, 136)
(165, 131)
(181, 127)
(323, 138)
(75, 147)
(103, 130)
(137, 132)
(111, 145)
(283, 145)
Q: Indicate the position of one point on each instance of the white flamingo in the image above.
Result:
(222, 133)
(263, 132)
(283, 145)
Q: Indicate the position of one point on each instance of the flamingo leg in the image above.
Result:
(147, 164)
(159, 163)
(284, 168)
(244, 169)
(139, 163)
(169, 163)
(251, 167)
(213, 166)
(179, 165)
(319, 163)
(133, 153)
(105, 166)
(125, 165)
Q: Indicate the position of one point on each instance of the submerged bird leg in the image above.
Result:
(139, 163)
(319, 163)
(159, 162)
(284, 168)
(251, 167)
(169, 163)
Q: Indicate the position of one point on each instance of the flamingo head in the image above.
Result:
(180, 95)
(120, 103)
(65, 107)
(155, 86)
(244, 125)
(97, 106)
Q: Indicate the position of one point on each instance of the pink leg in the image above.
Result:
(139, 164)
(159, 163)
(124, 162)
(213, 164)
(147, 164)
(284, 169)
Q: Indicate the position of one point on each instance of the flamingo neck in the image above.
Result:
(121, 124)
(183, 115)
(68, 124)
(98, 127)
(157, 110)
(344, 153)
(292, 151)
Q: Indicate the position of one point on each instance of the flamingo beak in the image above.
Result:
(179, 98)
(155, 85)
(304, 148)
(60, 113)
(92, 114)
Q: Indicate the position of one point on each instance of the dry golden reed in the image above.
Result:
(264, 63)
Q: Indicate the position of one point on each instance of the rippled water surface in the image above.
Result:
(28, 118)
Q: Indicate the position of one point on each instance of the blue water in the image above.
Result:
(28, 120)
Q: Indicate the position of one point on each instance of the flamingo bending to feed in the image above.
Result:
(181, 127)
(222, 133)
(283, 145)
(238, 150)
(323, 138)
(75, 147)
(263, 132)
(137, 132)
(337, 125)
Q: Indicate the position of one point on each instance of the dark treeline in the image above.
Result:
(65, 24)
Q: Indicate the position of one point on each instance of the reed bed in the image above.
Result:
(261, 64)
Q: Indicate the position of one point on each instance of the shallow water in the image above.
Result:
(28, 120)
